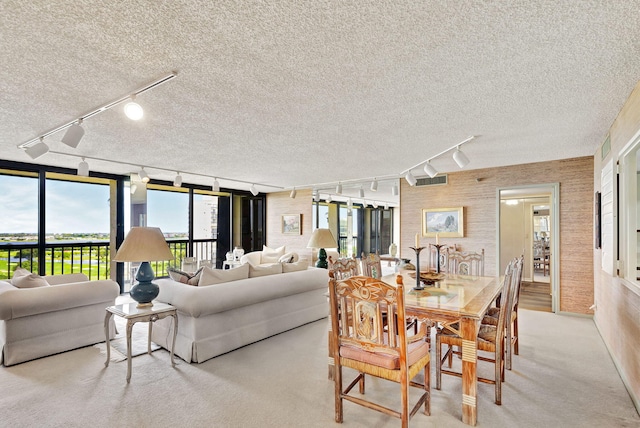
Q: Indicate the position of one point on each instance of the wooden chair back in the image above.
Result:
(444, 257)
(466, 263)
(343, 268)
(371, 265)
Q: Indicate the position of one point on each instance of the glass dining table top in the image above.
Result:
(455, 294)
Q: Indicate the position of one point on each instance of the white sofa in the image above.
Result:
(269, 256)
(219, 318)
(67, 314)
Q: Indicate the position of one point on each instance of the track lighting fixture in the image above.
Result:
(133, 110)
(349, 203)
(37, 150)
(394, 189)
(361, 192)
(177, 182)
(144, 177)
(73, 135)
(316, 196)
(375, 204)
(83, 168)
(386, 206)
(430, 170)
(134, 188)
(328, 199)
(410, 179)
(253, 190)
(216, 185)
(461, 159)
(293, 193)
(374, 185)
(339, 188)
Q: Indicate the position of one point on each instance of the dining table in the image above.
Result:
(449, 299)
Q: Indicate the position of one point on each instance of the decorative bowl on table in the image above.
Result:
(429, 278)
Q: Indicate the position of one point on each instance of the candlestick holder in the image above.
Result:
(418, 281)
(438, 246)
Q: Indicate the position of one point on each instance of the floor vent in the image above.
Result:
(435, 181)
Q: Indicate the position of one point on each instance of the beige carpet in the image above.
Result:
(563, 377)
(139, 341)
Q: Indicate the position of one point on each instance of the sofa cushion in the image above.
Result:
(184, 277)
(273, 269)
(293, 267)
(217, 276)
(287, 258)
(271, 255)
(22, 278)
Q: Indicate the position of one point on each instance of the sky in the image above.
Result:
(74, 207)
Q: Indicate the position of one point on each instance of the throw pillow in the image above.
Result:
(217, 276)
(271, 255)
(264, 270)
(184, 277)
(22, 278)
(287, 258)
(296, 266)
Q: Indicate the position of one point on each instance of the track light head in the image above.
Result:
(144, 177)
(374, 185)
(461, 159)
(177, 182)
(83, 168)
(73, 135)
(133, 110)
(293, 193)
(375, 204)
(216, 185)
(430, 170)
(410, 179)
(37, 149)
(134, 188)
(328, 199)
(253, 190)
(339, 189)
(361, 192)
(394, 190)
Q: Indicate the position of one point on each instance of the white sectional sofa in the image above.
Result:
(66, 313)
(215, 319)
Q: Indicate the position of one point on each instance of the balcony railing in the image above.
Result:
(92, 258)
(342, 245)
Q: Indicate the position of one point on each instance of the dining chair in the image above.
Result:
(491, 318)
(490, 339)
(371, 265)
(443, 259)
(466, 263)
(361, 343)
(343, 267)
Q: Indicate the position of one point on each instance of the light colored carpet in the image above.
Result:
(139, 341)
(563, 377)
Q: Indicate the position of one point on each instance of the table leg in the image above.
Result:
(149, 338)
(469, 332)
(129, 329)
(106, 334)
(175, 333)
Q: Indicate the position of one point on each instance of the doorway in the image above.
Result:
(528, 225)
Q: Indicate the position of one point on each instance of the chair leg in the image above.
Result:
(337, 378)
(438, 362)
(508, 347)
(404, 415)
(499, 372)
(427, 387)
(515, 336)
(361, 383)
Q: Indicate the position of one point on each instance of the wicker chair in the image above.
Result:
(490, 338)
(491, 318)
(360, 342)
(466, 263)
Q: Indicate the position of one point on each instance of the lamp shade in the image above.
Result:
(143, 244)
(322, 238)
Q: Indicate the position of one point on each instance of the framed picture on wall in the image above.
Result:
(444, 222)
(291, 224)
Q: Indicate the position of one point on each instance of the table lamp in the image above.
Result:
(322, 238)
(144, 244)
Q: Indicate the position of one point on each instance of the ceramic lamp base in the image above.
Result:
(144, 291)
(322, 259)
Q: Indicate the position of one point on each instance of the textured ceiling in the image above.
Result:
(294, 93)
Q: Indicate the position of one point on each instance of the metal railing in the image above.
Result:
(92, 258)
(342, 245)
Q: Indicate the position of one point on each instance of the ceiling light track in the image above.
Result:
(98, 110)
(172, 170)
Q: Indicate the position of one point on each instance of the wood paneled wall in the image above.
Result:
(617, 303)
(475, 190)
